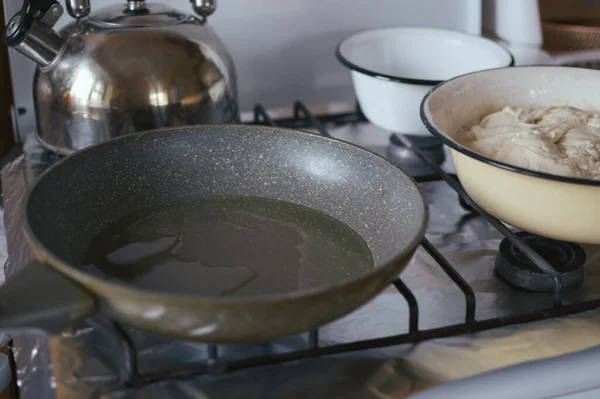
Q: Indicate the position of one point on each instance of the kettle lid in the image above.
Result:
(137, 14)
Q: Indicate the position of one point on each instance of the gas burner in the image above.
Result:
(567, 258)
(410, 161)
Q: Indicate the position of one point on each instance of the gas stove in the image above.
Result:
(476, 298)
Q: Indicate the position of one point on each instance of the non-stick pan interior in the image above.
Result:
(85, 193)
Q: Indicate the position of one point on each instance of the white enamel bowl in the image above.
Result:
(558, 207)
(393, 68)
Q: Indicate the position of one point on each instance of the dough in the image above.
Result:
(558, 140)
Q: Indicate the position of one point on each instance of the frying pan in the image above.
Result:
(78, 197)
(558, 207)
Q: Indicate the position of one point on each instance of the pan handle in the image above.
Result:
(38, 298)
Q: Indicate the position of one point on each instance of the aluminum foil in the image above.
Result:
(87, 362)
(31, 352)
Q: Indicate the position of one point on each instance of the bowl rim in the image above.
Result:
(394, 78)
(453, 144)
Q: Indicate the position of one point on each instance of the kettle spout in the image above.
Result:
(34, 37)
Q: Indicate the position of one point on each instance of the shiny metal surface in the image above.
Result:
(126, 68)
(13, 24)
(30, 32)
(204, 7)
(78, 8)
(134, 5)
(53, 14)
(41, 44)
(116, 78)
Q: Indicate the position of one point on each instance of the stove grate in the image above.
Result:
(304, 119)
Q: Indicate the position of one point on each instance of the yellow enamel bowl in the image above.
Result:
(558, 207)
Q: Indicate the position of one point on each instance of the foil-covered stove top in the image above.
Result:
(88, 361)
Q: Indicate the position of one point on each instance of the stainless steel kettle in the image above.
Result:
(125, 68)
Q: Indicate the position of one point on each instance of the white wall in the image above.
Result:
(284, 49)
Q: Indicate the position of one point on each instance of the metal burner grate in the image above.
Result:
(304, 119)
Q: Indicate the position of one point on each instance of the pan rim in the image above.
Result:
(453, 144)
(91, 282)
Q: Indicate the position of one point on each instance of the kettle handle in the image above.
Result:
(39, 298)
(30, 31)
(32, 10)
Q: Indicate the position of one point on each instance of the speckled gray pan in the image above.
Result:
(82, 194)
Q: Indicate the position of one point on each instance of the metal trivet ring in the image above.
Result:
(412, 163)
(566, 257)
